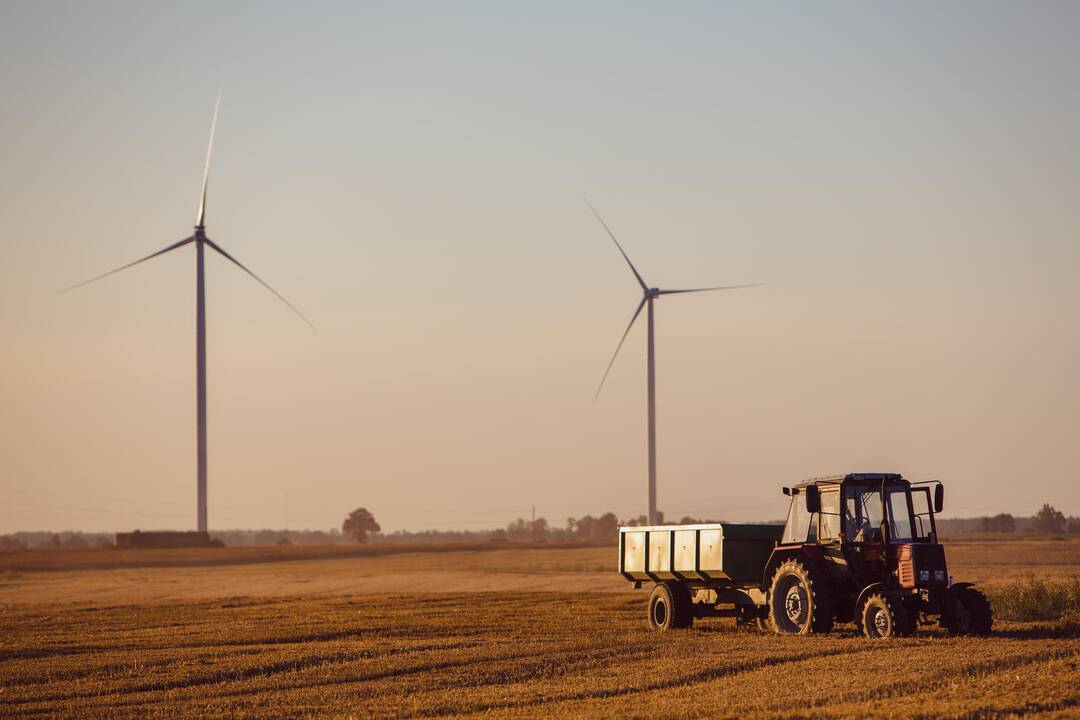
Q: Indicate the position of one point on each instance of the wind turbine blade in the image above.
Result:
(640, 280)
(262, 282)
(721, 287)
(175, 245)
(206, 169)
(619, 347)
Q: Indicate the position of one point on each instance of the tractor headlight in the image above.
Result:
(939, 575)
(924, 576)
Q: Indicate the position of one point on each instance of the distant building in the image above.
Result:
(165, 539)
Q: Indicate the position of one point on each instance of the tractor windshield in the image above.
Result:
(867, 506)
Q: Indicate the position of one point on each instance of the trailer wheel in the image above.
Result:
(882, 617)
(669, 607)
(971, 615)
(800, 599)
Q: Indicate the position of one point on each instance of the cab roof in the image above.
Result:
(852, 477)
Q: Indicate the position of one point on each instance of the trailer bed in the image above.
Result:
(715, 554)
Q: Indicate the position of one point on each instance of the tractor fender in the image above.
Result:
(809, 553)
(866, 592)
(948, 609)
(950, 593)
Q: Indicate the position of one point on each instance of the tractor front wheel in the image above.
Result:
(670, 607)
(799, 599)
(971, 613)
(885, 617)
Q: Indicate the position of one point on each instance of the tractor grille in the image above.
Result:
(922, 565)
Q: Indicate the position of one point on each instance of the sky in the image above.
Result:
(902, 178)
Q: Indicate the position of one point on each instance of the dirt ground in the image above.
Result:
(492, 633)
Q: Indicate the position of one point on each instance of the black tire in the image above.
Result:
(670, 607)
(971, 613)
(800, 599)
(884, 617)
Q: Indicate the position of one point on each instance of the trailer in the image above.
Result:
(859, 548)
(709, 570)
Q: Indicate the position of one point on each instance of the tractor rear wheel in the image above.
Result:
(885, 617)
(972, 614)
(800, 599)
(670, 607)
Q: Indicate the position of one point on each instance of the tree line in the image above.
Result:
(1048, 521)
(361, 526)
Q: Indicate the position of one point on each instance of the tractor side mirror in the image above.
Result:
(813, 499)
(939, 498)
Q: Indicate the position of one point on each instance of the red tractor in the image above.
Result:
(863, 548)
(858, 548)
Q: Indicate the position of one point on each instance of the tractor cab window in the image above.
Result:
(899, 515)
(799, 521)
(830, 516)
(924, 525)
(862, 513)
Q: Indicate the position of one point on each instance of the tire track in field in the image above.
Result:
(371, 677)
(388, 631)
(267, 669)
(290, 666)
(565, 657)
(906, 688)
(114, 667)
(985, 713)
(234, 676)
(681, 681)
(898, 689)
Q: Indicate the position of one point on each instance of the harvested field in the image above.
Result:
(334, 650)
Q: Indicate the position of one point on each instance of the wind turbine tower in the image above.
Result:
(201, 241)
(650, 294)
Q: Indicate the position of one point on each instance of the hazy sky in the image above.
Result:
(904, 178)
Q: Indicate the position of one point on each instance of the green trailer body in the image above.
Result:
(707, 555)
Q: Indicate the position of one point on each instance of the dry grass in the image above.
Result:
(1032, 599)
(297, 651)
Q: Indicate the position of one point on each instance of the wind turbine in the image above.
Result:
(201, 241)
(650, 295)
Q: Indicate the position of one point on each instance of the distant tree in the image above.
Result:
(7, 542)
(519, 530)
(583, 528)
(359, 523)
(1049, 521)
(1002, 522)
(77, 542)
(266, 537)
(1073, 525)
(540, 528)
(607, 527)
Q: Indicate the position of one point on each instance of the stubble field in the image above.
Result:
(496, 633)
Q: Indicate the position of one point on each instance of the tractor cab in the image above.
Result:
(861, 509)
